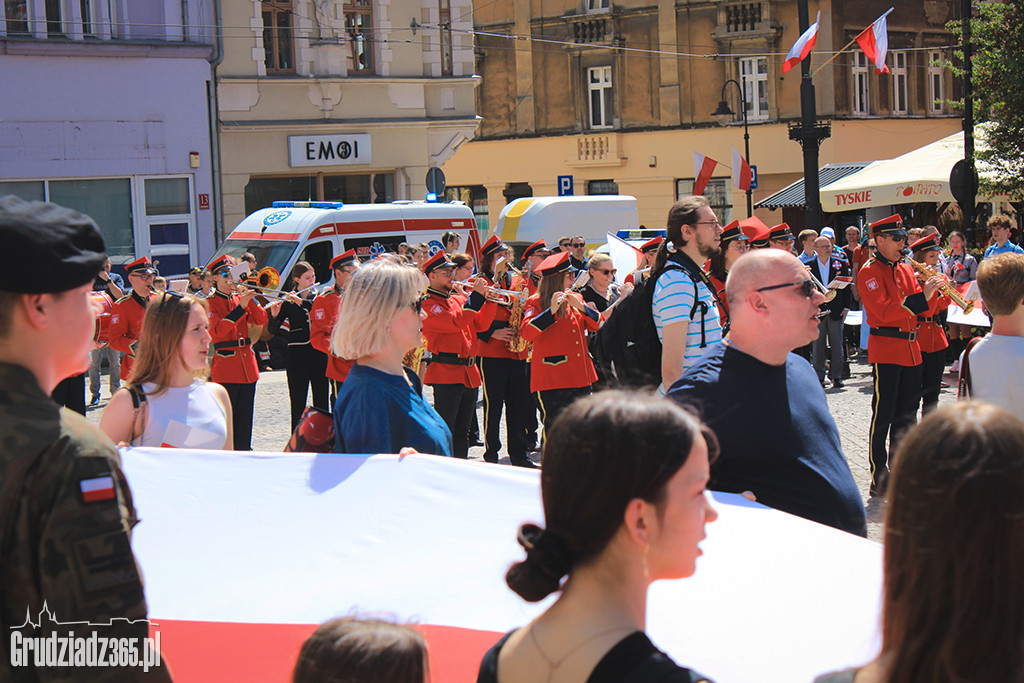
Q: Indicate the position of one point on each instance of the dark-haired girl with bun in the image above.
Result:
(623, 487)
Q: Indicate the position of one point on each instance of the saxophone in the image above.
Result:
(946, 288)
(515, 343)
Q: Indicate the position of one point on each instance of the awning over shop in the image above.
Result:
(918, 176)
(793, 195)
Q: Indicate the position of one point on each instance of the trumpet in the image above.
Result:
(946, 288)
(827, 291)
(283, 296)
(504, 297)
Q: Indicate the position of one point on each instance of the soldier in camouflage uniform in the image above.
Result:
(66, 512)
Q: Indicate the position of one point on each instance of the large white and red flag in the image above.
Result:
(741, 173)
(244, 554)
(703, 167)
(802, 47)
(874, 41)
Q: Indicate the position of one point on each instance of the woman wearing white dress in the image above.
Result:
(177, 407)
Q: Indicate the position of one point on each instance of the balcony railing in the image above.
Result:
(596, 149)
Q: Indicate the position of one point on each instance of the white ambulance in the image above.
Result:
(524, 221)
(316, 232)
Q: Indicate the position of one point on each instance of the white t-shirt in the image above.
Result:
(997, 372)
(184, 417)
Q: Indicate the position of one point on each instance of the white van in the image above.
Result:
(524, 221)
(316, 232)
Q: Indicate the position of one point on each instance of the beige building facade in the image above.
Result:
(619, 95)
(337, 100)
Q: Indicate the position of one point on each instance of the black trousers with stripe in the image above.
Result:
(456, 404)
(931, 379)
(505, 384)
(305, 367)
(554, 401)
(242, 397)
(893, 412)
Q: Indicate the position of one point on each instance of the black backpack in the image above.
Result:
(626, 349)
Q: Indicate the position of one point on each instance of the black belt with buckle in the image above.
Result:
(451, 359)
(230, 344)
(927, 318)
(894, 332)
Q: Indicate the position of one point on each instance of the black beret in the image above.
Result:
(47, 248)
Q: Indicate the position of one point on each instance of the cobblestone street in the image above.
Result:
(851, 407)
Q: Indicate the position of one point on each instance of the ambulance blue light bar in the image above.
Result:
(307, 205)
(637, 234)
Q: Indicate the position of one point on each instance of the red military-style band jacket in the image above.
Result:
(322, 317)
(233, 359)
(560, 357)
(449, 326)
(126, 316)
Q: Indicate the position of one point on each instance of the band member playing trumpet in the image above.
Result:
(127, 312)
(557, 320)
(324, 314)
(449, 326)
(232, 309)
(505, 380)
(893, 298)
(929, 333)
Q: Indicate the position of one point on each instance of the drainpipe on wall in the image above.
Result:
(212, 117)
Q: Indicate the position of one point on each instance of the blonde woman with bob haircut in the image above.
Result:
(380, 407)
(176, 407)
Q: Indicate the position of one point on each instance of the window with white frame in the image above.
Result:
(860, 83)
(754, 76)
(717, 193)
(599, 100)
(936, 89)
(899, 83)
(54, 17)
(16, 15)
(598, 5)
(279, 52)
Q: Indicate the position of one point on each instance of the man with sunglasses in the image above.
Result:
(777, 437)
(324, 314)
(892, 298)
(127, 312)
(576, 258)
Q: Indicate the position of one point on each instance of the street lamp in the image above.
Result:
(724, 114)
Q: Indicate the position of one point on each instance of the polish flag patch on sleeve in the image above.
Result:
(97, 489)
(871, 284)
(436, 309)
(318, 314)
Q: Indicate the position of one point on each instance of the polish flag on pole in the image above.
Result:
(803, 46)
(741, 174)
(703, 167)
(874, 40)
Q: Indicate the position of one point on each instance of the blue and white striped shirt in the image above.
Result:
(673, 301)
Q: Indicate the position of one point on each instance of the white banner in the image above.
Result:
(245, 553)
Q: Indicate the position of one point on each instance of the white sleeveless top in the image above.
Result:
(184, 417)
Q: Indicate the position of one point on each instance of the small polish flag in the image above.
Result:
(741, 174)
(97, 489)
(703, 167)
(874, 40)
(803, 46)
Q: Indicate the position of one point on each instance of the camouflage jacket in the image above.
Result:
(66, 516)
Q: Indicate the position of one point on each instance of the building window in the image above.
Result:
(445, 21)
(899, 82)
(351, 188)
(599, 91)
(602, 187)
(860, 83)
(598, 5)
(754, 76)
(475, 197)
(936, 89)
(108, 201)
(54, 20)
(359, 36)
(87, 27)
(16, 14)
(277, 37)
(717, 193)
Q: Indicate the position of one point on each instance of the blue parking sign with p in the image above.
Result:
(565, 186)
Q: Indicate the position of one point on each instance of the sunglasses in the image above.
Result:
(416, 306)
(169, 295)
(806, 286)
(577, 245)
(608, 272)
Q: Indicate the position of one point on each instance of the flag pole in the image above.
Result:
(845, 47)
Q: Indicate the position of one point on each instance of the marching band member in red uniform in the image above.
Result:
(781, 237)
(532, 257)
(324, 314)
(127, 312)
(930, 335)
(893, 298)
(649, 252)
(505, 381)
(234, 364)
(557, 322)
(733, 245)
(449, 326)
